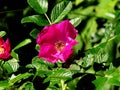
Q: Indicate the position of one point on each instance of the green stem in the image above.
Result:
(21, 87)
(63, 85)
(48, 18)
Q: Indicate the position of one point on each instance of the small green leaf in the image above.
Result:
(34, 33)
(60, 11)
(14, 55)
(11, 65)
(2, 33)
(37, 19)
(75, 21)
(23, 43)
(39, 6)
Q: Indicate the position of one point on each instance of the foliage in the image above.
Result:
(95, 64)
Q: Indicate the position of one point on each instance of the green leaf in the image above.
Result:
(101, 84)
(81, 12)
(11, 65)
(105, 9)
(77, 2)
(23, 43)
(2, 33)
(37, 62)
(4, 84)
(72, 84)
(37, 19)
(90, 28)
(34, 33)
(75, 21)
(61, 73)
(79, 45)
(19, 77)
(60, 11)
(14, 55)
(87, 60)
(114, 78)
(39, 6)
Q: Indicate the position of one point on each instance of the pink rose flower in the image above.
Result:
(56, 41)
(4, 49)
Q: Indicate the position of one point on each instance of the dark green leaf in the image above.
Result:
(39, 6)
(34, 33)
(37, 19)
(60, 11)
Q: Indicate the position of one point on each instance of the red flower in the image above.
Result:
(56, 41)
(4, 49)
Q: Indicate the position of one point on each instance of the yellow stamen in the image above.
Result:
(1, 50)
(59, 45)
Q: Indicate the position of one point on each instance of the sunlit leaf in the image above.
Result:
(60, 11)
(37, 19)
(105, 9)
(11, 65)
(39, 6)
(2, 33)
(75, 21)
(77, 2)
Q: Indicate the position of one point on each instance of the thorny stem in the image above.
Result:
(47, 18)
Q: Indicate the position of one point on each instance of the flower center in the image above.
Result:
(59, 45)
(1, 50)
